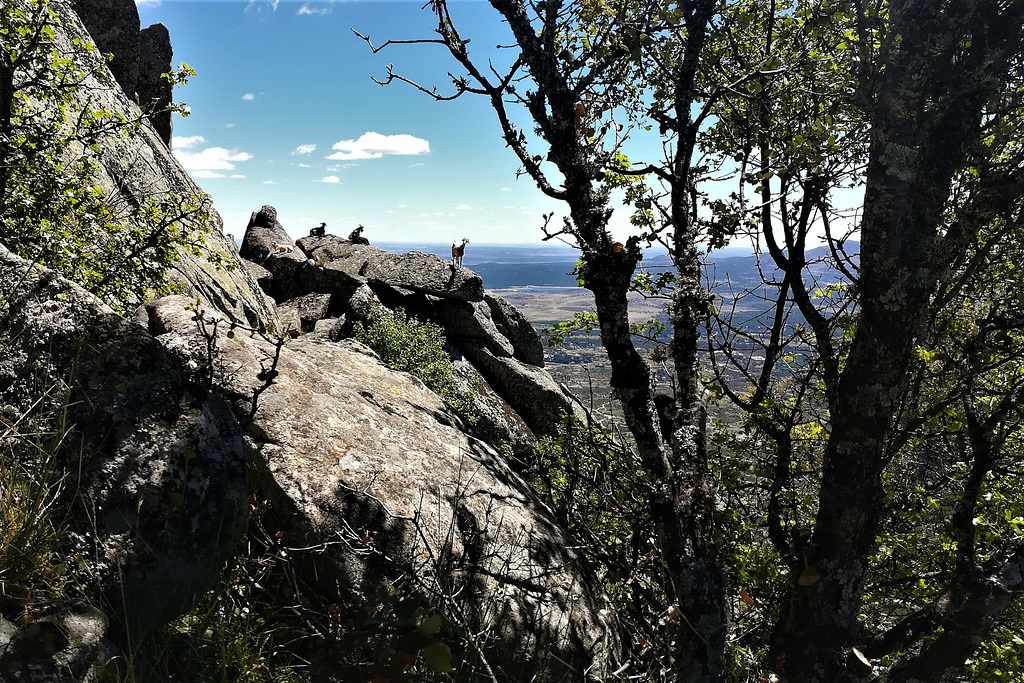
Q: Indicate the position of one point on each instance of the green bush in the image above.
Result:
(416, 347)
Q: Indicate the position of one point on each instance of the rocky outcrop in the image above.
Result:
(114, 27)
(266, 237)
(161, 480)
(139, 168)
(303, 312)
(267, 243)
(373, 476)
(414, 271)
(528, 389)
(324, 248)
(483, 330)
(513, 325)
(155, 92)
(496, 421)
(466, 321)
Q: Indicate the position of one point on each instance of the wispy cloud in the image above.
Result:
(304, 149)
(372, 145)
(214, 174)
(330, 179)
(269, 182)
(506, 189)
(305, 165)
(211, 159)
(187, 141)
(230, 125)
(249, 97)
(463, 207)
(262, 7)
(318, 9)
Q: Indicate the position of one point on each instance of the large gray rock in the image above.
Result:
(265, 236)
(373, 479)
(155, 92)
(267, 243)
(324, 248)
(470, 321)
(528, 389)
(330, 278)
(496, 421)
(514, 326)
(159, 464)
(114, 27)
(306, 309)
(65, 646)
(416, 271)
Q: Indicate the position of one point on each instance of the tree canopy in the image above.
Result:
(864, 515)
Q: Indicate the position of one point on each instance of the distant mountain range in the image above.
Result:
(542, 265)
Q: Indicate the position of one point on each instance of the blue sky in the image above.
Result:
(284, 112)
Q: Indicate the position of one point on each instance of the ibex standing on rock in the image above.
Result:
(458, 251)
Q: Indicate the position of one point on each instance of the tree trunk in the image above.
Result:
(925, 115)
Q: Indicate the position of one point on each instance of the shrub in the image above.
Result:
(417, 347)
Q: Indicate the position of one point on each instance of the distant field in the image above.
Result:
(547, 305)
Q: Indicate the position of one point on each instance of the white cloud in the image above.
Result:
(211, 159)
(262, 6)
(203, 173)
(402, 206)
(330, 179)
(249, 97)
(506, 189)
(305, 165)
(311, 10)
(463, 207)
(372, 145)
(304, 149)
(416, 165)
(230, 125)
(269, 182)
(187, 141)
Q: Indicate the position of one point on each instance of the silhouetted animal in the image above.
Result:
(318, 231)
(356, 236)
(458, 251)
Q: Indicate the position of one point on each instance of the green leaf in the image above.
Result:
(438, 658)
(430, 625)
